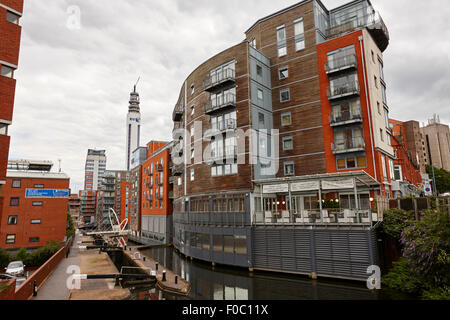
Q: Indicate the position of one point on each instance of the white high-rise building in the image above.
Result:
(133, 126)
(94, 169)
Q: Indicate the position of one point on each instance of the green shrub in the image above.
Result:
(21, 255)
(38, 257)
(401, 278)
(70, 229)
(5, 258)
(395, 220)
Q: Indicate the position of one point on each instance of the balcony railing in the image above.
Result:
(340, 64)
(230, 152)
(343, 90)
(177, 170)
(349, 145)
(344, 118)
(225, 101)
(177, 114)
(372, 21)
(222, 127)
(219, 79)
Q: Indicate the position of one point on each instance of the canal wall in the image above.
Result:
(317, 251)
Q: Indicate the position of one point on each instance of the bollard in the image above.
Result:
(176, 279)
(156, 267)
(164, 276)
(34, 288)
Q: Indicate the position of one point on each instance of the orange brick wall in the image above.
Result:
(53, 214)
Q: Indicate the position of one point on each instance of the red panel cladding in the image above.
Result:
(13, 4)
(7, 92)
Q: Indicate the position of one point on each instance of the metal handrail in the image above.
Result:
(344, 88)
(342, 62)
(344, 117)
(364, 21)
(354, 143)
(228, 99)
(219, 77)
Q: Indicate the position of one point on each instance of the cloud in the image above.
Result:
(73, 86)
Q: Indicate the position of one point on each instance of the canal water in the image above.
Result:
(228, 283)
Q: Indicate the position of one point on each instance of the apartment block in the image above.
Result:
(10, 35)
(156, 204)
(437, 142)
(268, 130)
(75, 208)
(35, 207)
(94, 169)
(415, 143)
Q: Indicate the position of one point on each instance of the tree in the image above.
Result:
(442, 178)
(5, 258)
(70, 228)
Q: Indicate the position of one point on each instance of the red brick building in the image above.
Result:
(156, 190)
(10, 33)
(407, 177)
(35, 207)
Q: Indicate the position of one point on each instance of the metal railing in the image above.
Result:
(343, 117)
(348, 144)
(368, 20)
(228, 153)
(341, 63)
(328, 216)
(222, 101)
(219, 78)
(343, 89)
(221, 127)
(213, 218)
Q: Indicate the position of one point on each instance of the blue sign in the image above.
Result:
(47, 193)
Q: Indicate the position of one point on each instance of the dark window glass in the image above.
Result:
(16, 183)
(34, 239)
(12, 220)
(14, 202)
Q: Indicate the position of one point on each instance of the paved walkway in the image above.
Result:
(55, 288)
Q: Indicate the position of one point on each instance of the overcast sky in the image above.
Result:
(73, 84)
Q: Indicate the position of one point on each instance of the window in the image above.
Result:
(10, 238)
(284, 95)
(14, 202)
(289, 168)
(397, 172)
(380, 67)
(192, 153)
(260, 95)
(379, 107)
(383, 164)
(12, 220)
(376, 81)
(3, 129)
(299, 35)
(39, 186)
(36, 221)
(16, 183)
(283, 73)
(259, 70)
(288, 143)
(34, 239)
(383, 93)
(373, 57)
(192, 131)
(286, 119)
(179, 181)
(343, 57)
(253, 43)
(7, 72)
(381, 135)
(261, 120)
(192, 110)
(192, 174)
(192, 89)
(281, 41)
(12, 17)
(351, 162)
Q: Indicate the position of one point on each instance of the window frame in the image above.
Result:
(9, 242)
(285, 139)
(283, 115)
(15, 181)
(15, 222)
(13, 198)
(286, 164)
(285, 68)
(258, 67)
(262, 94)
(284, 91)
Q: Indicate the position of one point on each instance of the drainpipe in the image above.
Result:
(367, 105)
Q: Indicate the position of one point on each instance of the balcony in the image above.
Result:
(226, 101)
(219, 80)
(177, 170)
(219, 156)
(374, 23)
(222, 127)
(348, 145)
(344, 90)
(344, 118)
(341, 64)
(177, 114)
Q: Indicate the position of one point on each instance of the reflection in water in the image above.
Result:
(227, 283)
